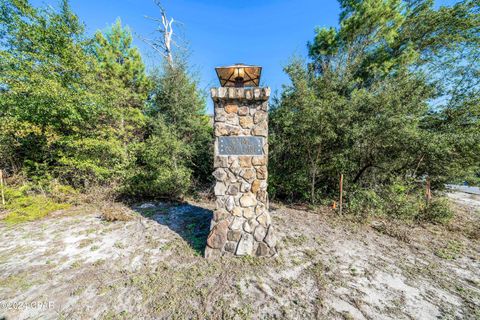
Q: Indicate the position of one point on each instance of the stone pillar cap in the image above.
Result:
(253, 94)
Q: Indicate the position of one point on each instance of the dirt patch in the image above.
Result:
(76, 266)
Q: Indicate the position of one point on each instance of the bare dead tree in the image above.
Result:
(163, 45)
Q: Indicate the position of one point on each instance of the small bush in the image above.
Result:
(23, 205)
(113, 211)
(403, 201)
(363, 202)
(159, 166)
(439, 211)
(63, 193)
(29, 201)
(399, 201)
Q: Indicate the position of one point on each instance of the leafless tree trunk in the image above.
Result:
(163, 46)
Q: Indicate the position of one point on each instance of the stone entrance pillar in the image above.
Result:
(241, 223)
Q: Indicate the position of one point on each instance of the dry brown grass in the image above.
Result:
(114, 211)
(393, 229)
(104, 200)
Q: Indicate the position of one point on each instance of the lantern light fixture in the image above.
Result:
(239, 75)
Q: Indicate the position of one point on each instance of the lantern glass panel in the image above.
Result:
(239, 75)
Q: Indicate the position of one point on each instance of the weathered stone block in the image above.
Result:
(231, 108)
(237, 223)
(245, 246)
(259, 209)
(220, 115)
(262, 250)
(259, 161)
(220, 174)
(264, 219)
(257, 131)
(262, 196)
(255, 186)
(249, 175)
(262, 172)
(231, 119)
(230, 203)
(247, 227)
(223, 129)
(260, 233)
(220, 162)
(220, 214)
(218, 235)
(246, 122)
(248, 200)
(234, 235)
(260, 116)
(243, 111)
(245, 161)
(220, 189)
(232, 189)
(248, 212)
(270, 238)
(220, 202)
(237, 211)
(245, 187)
(222, 92)
(256, 93)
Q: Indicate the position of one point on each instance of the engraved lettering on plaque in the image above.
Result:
(241, 146)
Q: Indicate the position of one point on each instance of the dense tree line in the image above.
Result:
(388, 98)
(84, 111)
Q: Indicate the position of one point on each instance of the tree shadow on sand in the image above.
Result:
(191, 222)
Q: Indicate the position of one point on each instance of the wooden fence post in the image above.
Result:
(1, 187)
(428, 192)
(340, 203)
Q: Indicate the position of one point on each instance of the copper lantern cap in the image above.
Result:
(239, 75)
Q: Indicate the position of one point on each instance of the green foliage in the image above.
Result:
(399, 200)
(159, 168)
(364, 202)
(403, 201)
(84, 111)
(56, 115)
(439, 211)
(122, 65)
(25, 204)
(177, 102)
(375, 104)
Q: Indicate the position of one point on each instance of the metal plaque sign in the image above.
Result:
(240, 146)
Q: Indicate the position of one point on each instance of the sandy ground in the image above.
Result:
(74, 265)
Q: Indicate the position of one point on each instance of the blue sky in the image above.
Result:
(266, 33)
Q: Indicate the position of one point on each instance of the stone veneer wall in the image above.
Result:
(241, 223)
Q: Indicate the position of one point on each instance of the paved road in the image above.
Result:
(466, 189)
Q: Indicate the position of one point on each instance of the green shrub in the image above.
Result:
(403, 200)
(159, 167)
(400, 200)
(364, 202)
(439, 211)
(25, 204)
